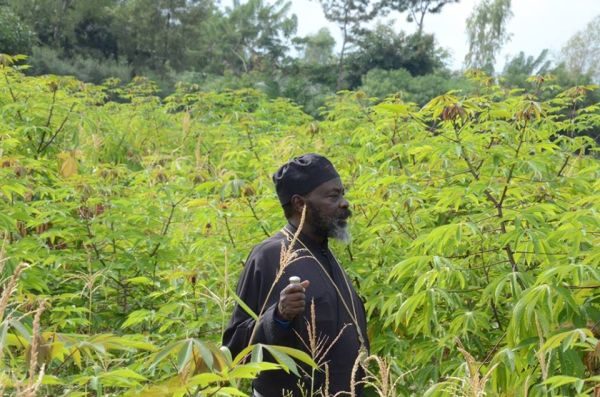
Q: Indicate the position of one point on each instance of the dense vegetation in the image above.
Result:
(254, 44)
(126, 218)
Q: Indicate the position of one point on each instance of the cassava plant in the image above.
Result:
(475, 219)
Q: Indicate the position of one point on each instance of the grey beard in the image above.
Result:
(340, 233)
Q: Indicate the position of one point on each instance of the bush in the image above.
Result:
(15, 36)
(476, 233)
(46, 60)
(420, 89)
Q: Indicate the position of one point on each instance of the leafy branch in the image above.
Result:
(43, 145)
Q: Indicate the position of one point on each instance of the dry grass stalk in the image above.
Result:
(326, 385)
(35, 339)
(10, 288)
(382, 380)
(287, 257)
(318, 348)
(32, 389)
(385, 385)
(34, 380)
(323, 353)
(312, 331)
(318, 345)
(358, 363)
(475, 385)
(289, 254)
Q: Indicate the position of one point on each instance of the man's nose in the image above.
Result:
(344, 204)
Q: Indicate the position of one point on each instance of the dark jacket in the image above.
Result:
(331, 316)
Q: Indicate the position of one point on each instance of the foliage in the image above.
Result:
(76, 27)
(417, 9)
(518, 69)
(259, 34)
(109, 222)
(476, 233)
(15, 36)
(468, 231)
(419, 89)
(348, 15)
(216, 45)
(45, 60)
(487, 33)
(317, 48)
(381, 48)
(581, 53)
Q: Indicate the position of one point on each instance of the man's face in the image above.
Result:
(327, 210)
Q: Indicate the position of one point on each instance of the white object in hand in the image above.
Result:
(294, 280)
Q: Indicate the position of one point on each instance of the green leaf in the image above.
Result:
(243, 305)
(52, 380)
(568, 338)
(203, 380)
(295, 353)
(562, 380)
(16, 324)
(162, 354)
(284, 360)
(251, 370)
(242, 354)
(205, 353)
(141, 280)
(123, 373)
(136, 317)
(185, 354)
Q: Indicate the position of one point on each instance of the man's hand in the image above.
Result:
(292, 301)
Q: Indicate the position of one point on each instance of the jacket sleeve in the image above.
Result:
(253, 289)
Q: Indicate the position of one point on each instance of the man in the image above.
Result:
(312, 181)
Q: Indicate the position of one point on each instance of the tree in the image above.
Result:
(150, 33)
(317, 48)
(348, 14)
(72, 27)
(201, 36)
(417, 9)
(382, 48)
(15, 36)
(419, 89)
(519, 68)
(257, 34)
(52, 20)
(581, 54)
(487, 33)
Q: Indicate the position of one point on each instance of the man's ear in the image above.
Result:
(298, 203)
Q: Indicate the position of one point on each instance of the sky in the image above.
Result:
(535, 25)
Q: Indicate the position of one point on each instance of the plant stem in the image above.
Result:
(252, 209)
(229, 231)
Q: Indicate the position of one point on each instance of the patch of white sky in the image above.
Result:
(535, 25)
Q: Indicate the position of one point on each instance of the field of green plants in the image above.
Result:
(125, 219)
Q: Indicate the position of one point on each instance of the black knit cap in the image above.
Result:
(301, 175)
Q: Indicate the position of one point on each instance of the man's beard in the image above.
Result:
(334, 227)
(340, 232)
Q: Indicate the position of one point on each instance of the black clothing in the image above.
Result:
(331, 315)
(301, 175)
